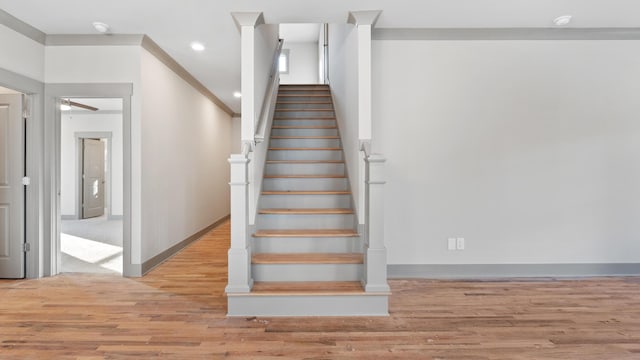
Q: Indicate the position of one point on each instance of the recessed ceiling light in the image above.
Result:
(196, 46)
(562, 20)
(237, 94)
(101, 27)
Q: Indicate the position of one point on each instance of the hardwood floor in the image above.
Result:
(178, 312)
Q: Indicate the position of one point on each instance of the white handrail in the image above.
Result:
(269, 102)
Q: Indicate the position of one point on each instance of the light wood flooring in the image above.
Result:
(178, 312)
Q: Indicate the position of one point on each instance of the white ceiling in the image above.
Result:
(174, 24)
(299, 32)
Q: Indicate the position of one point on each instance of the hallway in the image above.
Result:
(178, 312)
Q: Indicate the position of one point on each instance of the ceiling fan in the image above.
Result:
(66, 104)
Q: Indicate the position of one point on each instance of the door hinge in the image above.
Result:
(26, 181)
(26, 247)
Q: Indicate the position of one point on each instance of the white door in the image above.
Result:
(11, 188)
(92, 178)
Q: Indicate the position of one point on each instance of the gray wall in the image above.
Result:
(530, 150)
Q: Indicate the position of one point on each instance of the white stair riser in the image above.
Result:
(324, 221)
(321, 184)
(304, 155)
(309, 105)
(306, 245)
(307, 272)
(350, 305)
(305, 169)
(304, 122)
(303, 114)
(305, 201)
(313, 143)
(304, 132)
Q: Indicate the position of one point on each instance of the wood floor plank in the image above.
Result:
(178, 311)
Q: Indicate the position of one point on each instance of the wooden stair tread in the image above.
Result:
(306, 137)
(308, 211)
(301, 110)
(306, 233)
(305, 161)
(303, 127)
(318, 288)
(304, 95)
(307, 258)
(306, 148)
(304, 85)
(304, 118)
(305, 176)
(303, 102)
(312, 192)
(299, 88)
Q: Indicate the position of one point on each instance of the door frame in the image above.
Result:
(34, 217)
(79, 137)
(54, 93)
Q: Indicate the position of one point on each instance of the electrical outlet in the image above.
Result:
(451, 243)
(460, 243)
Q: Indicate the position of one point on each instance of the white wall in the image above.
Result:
(89, 122)
(107, 64)
(185, 147)
(21, 54)
(528, 149)
(343, 78)
(236, 143)
(266, 42)
(303, 63)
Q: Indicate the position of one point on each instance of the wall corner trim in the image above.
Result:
(170, 252)
(368, 17)
(155, 50)
(252, 19)
(22, 27)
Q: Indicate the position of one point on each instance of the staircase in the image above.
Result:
(307, 256)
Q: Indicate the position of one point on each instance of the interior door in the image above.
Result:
(12, 140)
(92, 178)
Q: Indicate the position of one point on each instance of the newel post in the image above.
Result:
(375, 251)
(240, 252)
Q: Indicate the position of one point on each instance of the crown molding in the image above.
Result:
(94, 40)
(155, 50)
(507, 34)
(22, 27)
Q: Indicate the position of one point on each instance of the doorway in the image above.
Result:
(303, 57)
(91, 196)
